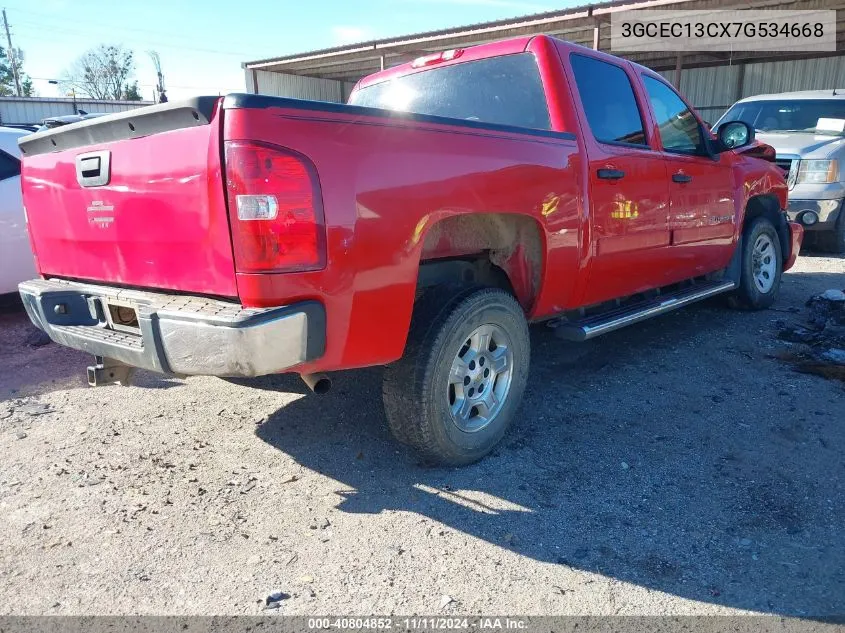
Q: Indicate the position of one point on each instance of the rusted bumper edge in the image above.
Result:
(796, 236)
(177, 334)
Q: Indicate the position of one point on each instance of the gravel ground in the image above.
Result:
(671, 468)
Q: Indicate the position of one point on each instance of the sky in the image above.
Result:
(202, 43)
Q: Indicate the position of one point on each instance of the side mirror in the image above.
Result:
(734, 134)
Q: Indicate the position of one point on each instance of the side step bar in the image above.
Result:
(599, 324)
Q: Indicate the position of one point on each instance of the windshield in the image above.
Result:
(815, 116)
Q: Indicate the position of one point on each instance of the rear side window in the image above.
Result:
(9, 166)
(608, 101)
(506, 90)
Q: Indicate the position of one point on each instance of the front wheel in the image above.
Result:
(762, 266)
(455, 392)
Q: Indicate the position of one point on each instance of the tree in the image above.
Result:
(102, 72)
(7, 77)
(131, 92)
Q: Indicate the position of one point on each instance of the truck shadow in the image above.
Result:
(670, 455)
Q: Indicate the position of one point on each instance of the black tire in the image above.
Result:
(416, 390)
(748, 296)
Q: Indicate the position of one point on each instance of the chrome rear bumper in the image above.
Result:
(176, 333)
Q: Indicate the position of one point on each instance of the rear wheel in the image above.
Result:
(455, 392)
(762, 266)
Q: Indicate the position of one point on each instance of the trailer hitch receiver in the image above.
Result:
(107, 371)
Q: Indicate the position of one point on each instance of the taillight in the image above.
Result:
(275, 209)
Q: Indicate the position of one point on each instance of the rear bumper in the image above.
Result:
(176, 333)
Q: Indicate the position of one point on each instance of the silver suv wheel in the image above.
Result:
(480, 378)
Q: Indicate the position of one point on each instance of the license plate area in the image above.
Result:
(121, 316)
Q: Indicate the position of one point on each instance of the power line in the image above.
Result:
(69, 30)
(77, 33)
(52, 17)
(62, 26)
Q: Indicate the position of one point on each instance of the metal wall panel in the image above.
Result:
(799, 74)
(711, 90)
(712, 86)
(296, 86)
(714, 89)
(31, 110)
(347, 89)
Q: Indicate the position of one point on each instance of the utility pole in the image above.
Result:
(11, 53)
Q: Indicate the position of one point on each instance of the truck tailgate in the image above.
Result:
(133, 199)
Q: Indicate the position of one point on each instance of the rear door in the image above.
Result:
(629, 192)
(702, 217)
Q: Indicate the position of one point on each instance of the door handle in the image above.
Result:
(681, 177)
(610, 174)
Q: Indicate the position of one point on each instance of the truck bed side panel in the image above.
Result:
(385, 182)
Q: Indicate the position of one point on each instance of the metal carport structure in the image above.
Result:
(712, 80)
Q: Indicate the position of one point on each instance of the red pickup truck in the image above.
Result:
(422, 226)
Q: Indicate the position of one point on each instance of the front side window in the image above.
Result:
(608, 101)
(506, 90)
(679, 130)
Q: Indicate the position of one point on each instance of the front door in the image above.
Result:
(628, 188)
(702, 212)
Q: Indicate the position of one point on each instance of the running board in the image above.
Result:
(594, 326)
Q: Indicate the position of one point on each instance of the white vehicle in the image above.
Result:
(16, 261)
(807, 130)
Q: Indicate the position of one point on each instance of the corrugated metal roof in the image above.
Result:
(353, 61)
(576, 24)
(466, 28)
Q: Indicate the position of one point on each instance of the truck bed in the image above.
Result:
(385, 179)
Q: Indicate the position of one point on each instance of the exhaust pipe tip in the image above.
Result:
(318, 383)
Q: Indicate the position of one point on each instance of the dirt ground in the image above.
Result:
(671, 468)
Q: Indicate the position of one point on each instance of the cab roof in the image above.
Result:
(508, 46)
